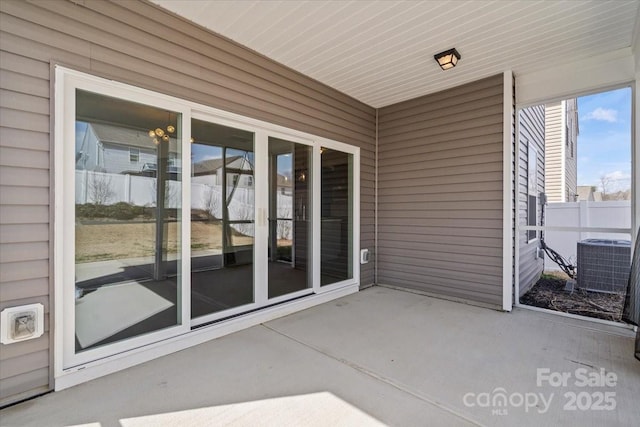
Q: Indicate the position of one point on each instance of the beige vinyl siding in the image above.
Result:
(440, 193)
(554, 151)
(532, 131)
(24, 216)
(140, 44)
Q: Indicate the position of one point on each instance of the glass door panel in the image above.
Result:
(336, 218)
(222, 218)
(289, 217)
(239, 207)
(127, 220)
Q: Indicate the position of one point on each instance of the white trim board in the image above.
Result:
(565, 81)
(507, 193)
(635, 156)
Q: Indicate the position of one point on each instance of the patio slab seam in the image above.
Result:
(363, 370)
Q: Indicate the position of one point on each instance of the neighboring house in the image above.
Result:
(210, 172)
(561, 140)
(532, 158)
(116, 149)
(589, 193)
(284, 185)
(548, 144)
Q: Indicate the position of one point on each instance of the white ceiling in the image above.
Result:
(381, 52)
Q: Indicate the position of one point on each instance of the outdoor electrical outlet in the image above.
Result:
(21, 323)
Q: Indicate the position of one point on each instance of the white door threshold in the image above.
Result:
(80, 374)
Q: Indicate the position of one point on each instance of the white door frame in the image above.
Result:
(67, 82)
(71, 368)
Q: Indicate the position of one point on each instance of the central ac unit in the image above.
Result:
(604, 265)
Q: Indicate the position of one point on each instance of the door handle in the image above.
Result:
(262, 217)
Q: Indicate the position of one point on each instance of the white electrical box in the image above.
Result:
(21, 323)
(364, 256)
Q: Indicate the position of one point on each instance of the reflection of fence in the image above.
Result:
(110, 188)
(610, 214)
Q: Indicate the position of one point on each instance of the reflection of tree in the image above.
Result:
(100, 189)
(212, 202)
(283, 228)
(170, 193)
(606, 182)
(618, 195)
(243, 212)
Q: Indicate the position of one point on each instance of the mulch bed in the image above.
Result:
(549, 293)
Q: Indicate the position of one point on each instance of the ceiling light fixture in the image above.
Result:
(447, 59)
(159, 134)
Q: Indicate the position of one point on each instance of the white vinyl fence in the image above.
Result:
(109, 188)
(609, 214)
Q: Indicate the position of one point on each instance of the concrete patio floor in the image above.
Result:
(380, 356)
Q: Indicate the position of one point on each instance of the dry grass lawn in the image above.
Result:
(114, 240)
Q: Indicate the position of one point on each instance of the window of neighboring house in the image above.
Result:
(249, 181)
(572, 152)
(532, 190)
(568, 134)
(235, 180)
(569, 141)
(134, 155)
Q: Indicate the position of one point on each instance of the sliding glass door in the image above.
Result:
(272, 218)
(336, 221)
(127, 221)
(172, 215)
(222, 218)
(290, 232)
(249, 247)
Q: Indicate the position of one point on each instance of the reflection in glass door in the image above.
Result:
(336, 221)
(159, 220)
(289, 217)
(127, 220)
(222, 218)
(238, 207)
